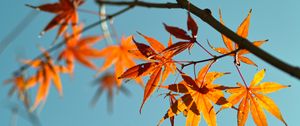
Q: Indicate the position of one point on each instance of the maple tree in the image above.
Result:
(127, 59)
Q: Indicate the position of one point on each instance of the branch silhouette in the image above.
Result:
(140, 3)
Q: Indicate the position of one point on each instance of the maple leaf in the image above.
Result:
(65, 11)
(19, 86)
(120, 56)
(188, 41)
(46, 71)
(172, 100)
(80, 49)
(231, 46)
(198, 96)
(253, 99)
(160, 65)
(107, 82)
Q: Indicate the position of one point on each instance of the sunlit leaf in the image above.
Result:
(252, 99)
(66, 13)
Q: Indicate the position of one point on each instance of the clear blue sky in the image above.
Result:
(277, 21)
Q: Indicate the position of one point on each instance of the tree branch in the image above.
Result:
(242, 42)
(140, 3)
(211, 59)
(58, 45)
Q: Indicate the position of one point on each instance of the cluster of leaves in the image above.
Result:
(192, 96)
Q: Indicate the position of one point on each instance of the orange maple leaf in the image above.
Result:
(172, 100)
(80, 49)
(252, 99)
(188, 41)
(199, 94)
(46, 71)
(157, 61)
(65, 11)
(19, 84)
(107, 82)
(230, 46)
(120, 56)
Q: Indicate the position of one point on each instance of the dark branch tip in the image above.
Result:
(227, 72)
(250, 11)
(31, 6)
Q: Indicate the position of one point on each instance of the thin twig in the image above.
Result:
(241, 75)
(140, 3)
(204, 49)
(210, 59)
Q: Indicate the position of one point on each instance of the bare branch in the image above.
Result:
(140, 3)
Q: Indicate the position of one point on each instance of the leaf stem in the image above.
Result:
(241, 75)
(204, 49)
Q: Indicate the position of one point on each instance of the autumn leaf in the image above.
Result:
(192, 25)
(231, 46)
(172, 99)
(177, 32)
(65, 11)
(145, 50)
(199, 96)
(19, 84)
(253, 99)
(187, 40)
(140, 70)
(80, 49)
(120, 56)
(46, 71)
(159, 65)
(107, 82)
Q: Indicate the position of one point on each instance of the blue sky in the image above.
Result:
(277, 21)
